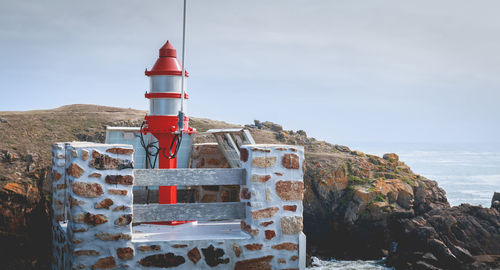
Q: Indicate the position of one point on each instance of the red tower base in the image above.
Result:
(164, 128)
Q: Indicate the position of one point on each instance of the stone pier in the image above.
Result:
(93, 215)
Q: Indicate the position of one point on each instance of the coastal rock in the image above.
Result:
(453, 236)
(495, 201)
(391, 157)
(352, 199)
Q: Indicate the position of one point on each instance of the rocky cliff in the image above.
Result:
(356, 205)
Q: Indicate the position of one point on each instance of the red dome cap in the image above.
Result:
(167, 63)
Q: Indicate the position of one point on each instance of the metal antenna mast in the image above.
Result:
(183, 90)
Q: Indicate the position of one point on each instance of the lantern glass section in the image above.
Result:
(166, 84)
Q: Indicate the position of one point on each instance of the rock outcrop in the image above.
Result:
(461, 237)
(495, 201)
(24, 223)
(353, 198)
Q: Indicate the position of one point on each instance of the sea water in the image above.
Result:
(469, 173)
(348, 265)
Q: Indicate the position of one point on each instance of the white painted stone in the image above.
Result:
(223, 235)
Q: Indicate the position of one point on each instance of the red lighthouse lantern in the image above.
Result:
(165, 110)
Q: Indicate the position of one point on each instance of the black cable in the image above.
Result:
(147, 149)
(172, 153)
(177, 146)
(175, 141)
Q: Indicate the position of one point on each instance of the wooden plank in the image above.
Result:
(232, 157)
(188, 177)
(248, 137)
(226, 130)
(232, 144)
(188, 211)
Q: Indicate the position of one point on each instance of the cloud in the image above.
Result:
(342, 70)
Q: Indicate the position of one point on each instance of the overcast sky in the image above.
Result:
(344, 71)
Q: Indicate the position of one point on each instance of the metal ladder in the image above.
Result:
(229, 142)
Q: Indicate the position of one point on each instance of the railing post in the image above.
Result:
(273, 193)
(100, 182)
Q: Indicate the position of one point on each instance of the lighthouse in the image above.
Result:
(166, 111)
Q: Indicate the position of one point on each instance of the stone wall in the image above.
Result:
(99, 233)
(99, 183)
(273, 193)
(208, 155)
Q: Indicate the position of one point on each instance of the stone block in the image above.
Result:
(89, 190)
(194, 255)
(104, 162)
(113, 236)
(165, 260)
(104, 204)
(120, 151)
(118, 192)
(253, 246)
(286, 246)
(56, 176)
(149, 248)
(125, 253)
(121, 208)
(270, 234)
(213, 256)
(237, 250)
(123, 220)
(291, 225)
(260, 178)
(90, 252)
(209, 198)
(264, 213)
(244, 154)
(74, 170)
(261, 263)
(248, 228)
(245, 194)
(126, 180)
(290, 190)
(85, 155)
(266, 223)
(264, 162)
(105, 263)
(95, 219)
(290, 161)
